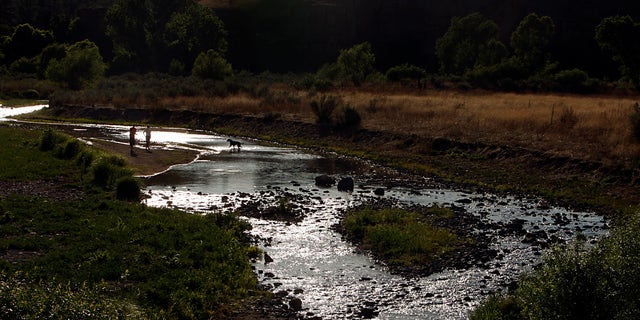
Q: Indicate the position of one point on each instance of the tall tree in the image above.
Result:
(26, 41)
(80, 67)
(129, 25)
(195, 30)
(620, 37)
(530, 41)
(149, 34)
(467, 39)
(356, 63)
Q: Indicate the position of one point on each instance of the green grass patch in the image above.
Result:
(21, 158)
(399, 236)
(112, 258)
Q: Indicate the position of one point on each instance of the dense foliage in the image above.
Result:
(576, 282)
(184, 37)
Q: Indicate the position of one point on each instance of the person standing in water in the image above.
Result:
(147, 134)
(132, 138)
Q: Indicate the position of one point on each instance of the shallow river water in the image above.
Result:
(313, 263)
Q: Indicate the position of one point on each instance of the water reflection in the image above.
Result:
(6, 112)
(312, 262)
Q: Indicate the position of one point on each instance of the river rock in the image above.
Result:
(325, 181)
(295, 304)
(378, 192)
(267, 258)
(345, 184)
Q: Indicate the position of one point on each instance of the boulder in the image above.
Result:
(325, 181)
(345, 184)
(295, 304)
(378, 192)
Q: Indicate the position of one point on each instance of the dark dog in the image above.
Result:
(233, 143)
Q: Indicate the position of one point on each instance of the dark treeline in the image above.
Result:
(294, 35)
(302, 35)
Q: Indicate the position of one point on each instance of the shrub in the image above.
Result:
(22, 298)
(211, 65)
(128, 189)
(405, 71)
(568, 118)
(107, 170)
(324, 108)
(497, 308)
(176, 68)
(577, 282)
(398, 235)
(349, 119)
(71, 149)
(50, 139)
(573, 80)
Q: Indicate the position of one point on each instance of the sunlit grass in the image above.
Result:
(400, 236)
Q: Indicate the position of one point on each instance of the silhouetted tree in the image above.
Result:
(620, 37)
(81, 67)
(25, 41)
(469, 41)
(356, 63)
(530, 41)
(148, 35)
(211, 65)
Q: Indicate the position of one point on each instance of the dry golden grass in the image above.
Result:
(594, 128)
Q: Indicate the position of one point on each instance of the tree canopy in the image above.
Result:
(468, 39)
(148, 35)
(530, 41)
(80, 67)
(619, 36)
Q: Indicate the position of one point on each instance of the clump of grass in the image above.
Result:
(349, 118)
(24, 298)
(323, 110)
(399, 236)
(128, 189)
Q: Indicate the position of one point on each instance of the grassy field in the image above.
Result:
(588, 127)
(103, 258)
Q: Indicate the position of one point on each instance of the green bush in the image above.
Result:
(128, 189)
(50, 139)
(578, 282)
(404, 72)
(71, 149)
(211, 65)
(573, 80)
(107, 170)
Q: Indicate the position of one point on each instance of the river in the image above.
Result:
(312, 262)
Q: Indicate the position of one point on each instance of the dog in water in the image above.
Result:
(233, 144)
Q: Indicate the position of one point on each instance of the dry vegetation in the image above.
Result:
(596, 128)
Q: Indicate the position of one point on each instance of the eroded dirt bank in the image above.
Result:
(571, 181)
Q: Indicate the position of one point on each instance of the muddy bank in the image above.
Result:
(569, 181)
